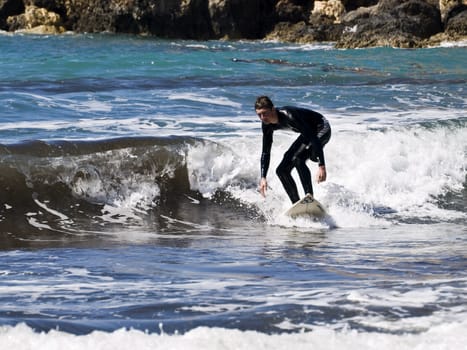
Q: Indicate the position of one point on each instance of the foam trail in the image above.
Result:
(446, 336)
(403, 170)
(205, 99)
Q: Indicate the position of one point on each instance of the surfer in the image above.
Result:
(315, 132)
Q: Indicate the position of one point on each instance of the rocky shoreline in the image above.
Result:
(348, 23)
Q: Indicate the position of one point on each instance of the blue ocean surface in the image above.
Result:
(129, 207)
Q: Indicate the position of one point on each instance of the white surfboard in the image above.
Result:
(307, 206)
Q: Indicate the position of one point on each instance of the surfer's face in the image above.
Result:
(266, 115)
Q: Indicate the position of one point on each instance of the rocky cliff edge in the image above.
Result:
(350, 24)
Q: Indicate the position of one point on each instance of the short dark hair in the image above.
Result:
(263, 102)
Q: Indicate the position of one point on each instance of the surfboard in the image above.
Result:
(307, 206)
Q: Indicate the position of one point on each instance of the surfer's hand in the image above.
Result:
(321, 176)
(263, 185)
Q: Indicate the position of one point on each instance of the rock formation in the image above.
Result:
(396, 23)
(447, 5)
(36, 20)
(332, 9)
(349, 23)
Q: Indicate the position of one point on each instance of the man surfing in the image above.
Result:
(315, 132)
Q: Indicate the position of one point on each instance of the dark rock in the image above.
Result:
(287, 11)
(188, 19)
(305, 33)
(455, 28)
(418, 18)
(456, 21)
(399, 23)
(237, 19)
(351, 5)
(89, 16)
(293, 32)
(360, 14)
(9, 8)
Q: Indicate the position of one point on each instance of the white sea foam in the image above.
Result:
(302, 47)
(222, 101)
(61, 102)
(460, 43)
(213, 166)
(401, 170)
(445, 336)
(35, 222)
(51, 211)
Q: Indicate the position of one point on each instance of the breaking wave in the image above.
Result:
(381, 176)
(62, 185)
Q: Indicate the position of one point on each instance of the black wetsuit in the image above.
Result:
(315, 132)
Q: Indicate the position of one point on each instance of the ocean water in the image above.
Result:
(130, 215)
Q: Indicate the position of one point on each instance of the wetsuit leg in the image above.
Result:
(283, 172)
(295, 157)
(304, 174)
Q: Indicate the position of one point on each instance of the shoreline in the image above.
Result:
(462, 42)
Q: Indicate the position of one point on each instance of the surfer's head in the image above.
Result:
(263, 102)
(265, 110)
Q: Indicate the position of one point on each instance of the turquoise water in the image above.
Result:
(128, 195)
(118, 78)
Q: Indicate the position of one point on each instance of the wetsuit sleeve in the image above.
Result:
(307, 121)
(315, 143)
(266, 153)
